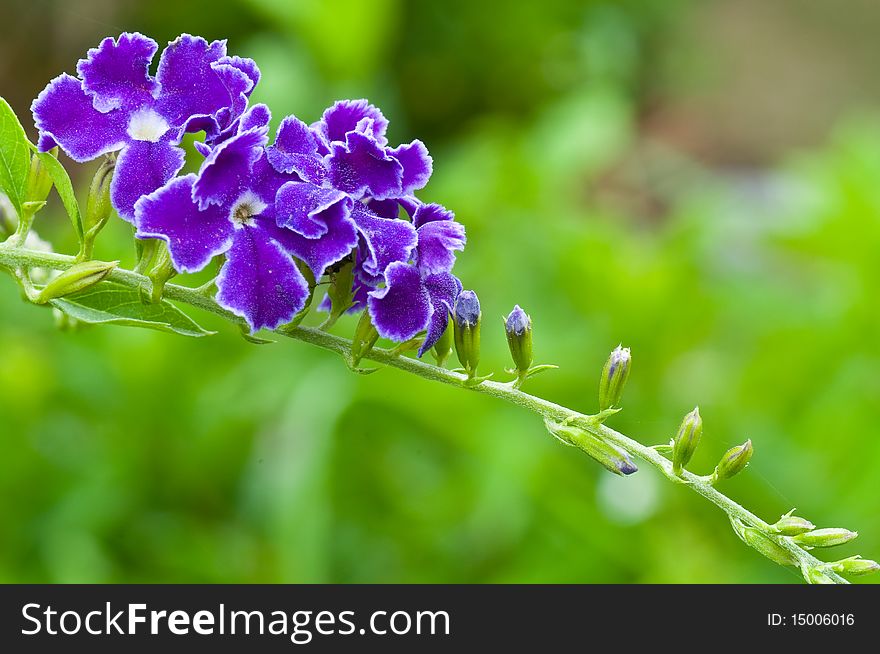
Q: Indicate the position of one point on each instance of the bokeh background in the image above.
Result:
(697, 180)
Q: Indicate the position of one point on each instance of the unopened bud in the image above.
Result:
(734, 461)
(341, 290)
(78, 277)
(614, 376)
(817, 576)
(609, 456)
(793, 525)
(443, 346)
(466, 318)
(854, 566)
(686, 440)
(39, 183)
(518, 328)
(825, 537)
(98, 205)
(365, 337)
(762, 543)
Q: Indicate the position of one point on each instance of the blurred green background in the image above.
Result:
(697, 180)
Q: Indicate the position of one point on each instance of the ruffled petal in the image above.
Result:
(385, 240)
(438, 241)
(117, 72)
(417, 165)
(189, 85)
(226, 172)
(426, 213)
(245, 65)
(300, 206)
(296, 151)
(337, 242)
(362, 166)
(259, 281)
(193, 236)
(442, 289)
(65, 116)
(142, 167)
(344, 116)
(402, 308)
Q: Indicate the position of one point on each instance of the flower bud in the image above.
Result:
(98, 205)
(365, 337)
(341, 290)
(855, 566)
(161, 272)
(760, 542)
(466, 319)
(734, 461)
(609, 456)
(825, 537)
(518, 327)
(614, 376)
(793, 525)
(39, 183)
(686, 440)
(76, 278)
(817, 576)
(443, 346)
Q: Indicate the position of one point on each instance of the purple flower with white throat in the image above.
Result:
(230, 208)
(117, 105)
(419, 295)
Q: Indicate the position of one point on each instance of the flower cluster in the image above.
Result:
(320, 195)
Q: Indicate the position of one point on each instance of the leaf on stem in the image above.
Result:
(15, 157)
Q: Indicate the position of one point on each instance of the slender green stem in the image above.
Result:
(15, 257)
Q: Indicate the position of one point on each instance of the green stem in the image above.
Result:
(16, 257)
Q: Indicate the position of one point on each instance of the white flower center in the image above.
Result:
(246, 207)
(147, 125)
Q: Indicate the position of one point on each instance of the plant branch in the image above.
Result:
(13, 257)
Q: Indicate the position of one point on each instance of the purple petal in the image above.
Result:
(246, 66)
(336, 243)
(64, 115)
(226, 172)
(344, 116)
(193, 236)
(426, 213)
(401, 309)
(296, 151)
(189, 85)
(385, 208)
(256, 117)
(442, 289)
(363, 166)
(142, 167)
(299, 206)
(417, 165)
(386, 240)
(116, 73)
(438, 241)
(266, 181)
(238, 87)
(259, 281)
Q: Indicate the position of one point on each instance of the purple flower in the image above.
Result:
(116, 104)
(230, 208)
(419, 295)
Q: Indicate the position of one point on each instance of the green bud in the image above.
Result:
(466, 318)
(341, 290)
(613, 379)
(76, 278)
(793, 525)
(161, 272)
(686, 440)
(825, 537)
(817, 576)
(609, 456)
(734, 461)
(518, 327)
(855, 566)
(365, 337)
(98, 205)
(39, 183)
(443, 346)
(760, 542)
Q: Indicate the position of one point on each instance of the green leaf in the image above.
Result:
(15, 157)
(109, 303)
(61, 180)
